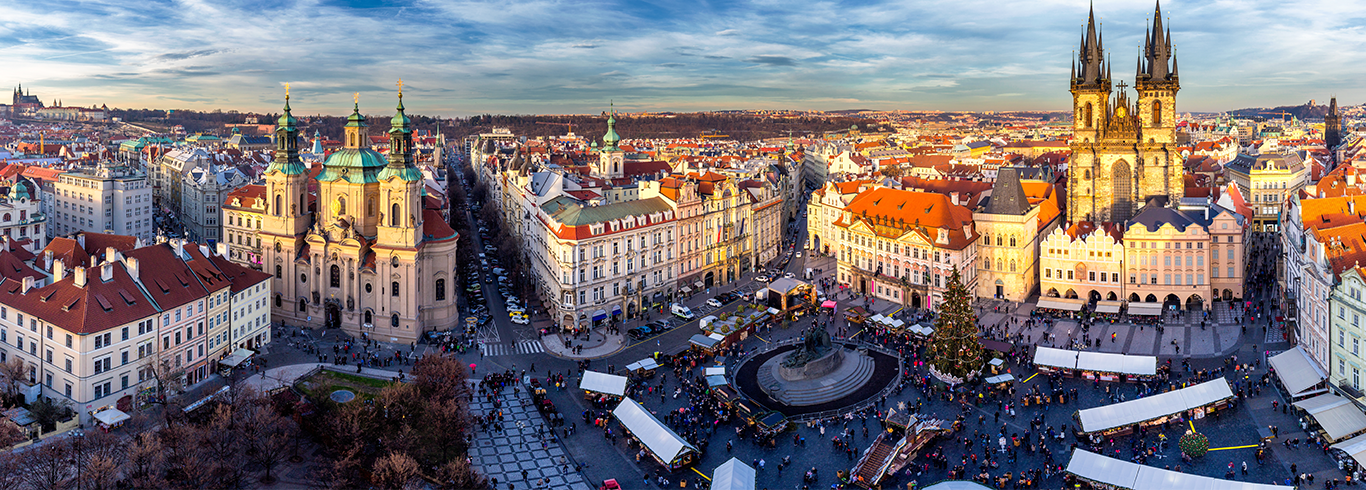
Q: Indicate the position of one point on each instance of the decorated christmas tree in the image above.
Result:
(955, 352)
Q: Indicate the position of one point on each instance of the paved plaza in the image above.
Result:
(519, 454)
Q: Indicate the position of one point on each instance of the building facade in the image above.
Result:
(903, 246)
(242, 211)
(1170, 256)
(1123, 153)
(1082, 261)
(203, 191)
(1267, 180)
(1346, 360)
(109, 198)
(21, 216)
(1011, 224)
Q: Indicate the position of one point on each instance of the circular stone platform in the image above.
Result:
(838, 373)
(342, 396)
(750, 380)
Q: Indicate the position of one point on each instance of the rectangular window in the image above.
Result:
(1069, 275)
(1356, 347)
(1167, 279)
(1091, 276)
(1199, 279)
(1114, 277)
(1188, 280)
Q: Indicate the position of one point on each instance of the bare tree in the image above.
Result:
(267, 435)
(460, 474)
(168, 379)
(48, 466)
(146, 467)
(10, 474)
(99, 473)
(14, 375)
(9, 434)
(397, 471)
(225, 447)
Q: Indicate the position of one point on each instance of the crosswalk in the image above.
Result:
(521, 347)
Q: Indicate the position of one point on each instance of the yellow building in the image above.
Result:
(370, 259)
(1172, 256)
(1082, 262)
(1011, 222)
(1267, 180)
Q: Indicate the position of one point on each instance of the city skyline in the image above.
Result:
(460, 58)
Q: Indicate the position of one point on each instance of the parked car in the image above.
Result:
(714, 303)
(761, 278)
(639, 332)
(521, 320)
(789, 275)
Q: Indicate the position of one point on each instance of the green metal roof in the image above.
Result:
(355, 120)
(570, 212)
(609, 140)
(407, 174)
(353, 165)
(286, 119)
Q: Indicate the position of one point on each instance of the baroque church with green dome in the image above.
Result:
(362, 253)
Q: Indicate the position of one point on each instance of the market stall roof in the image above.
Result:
(785, 285)
(896, 323)
(1337, 415)
(1354, 447)
(878, 318)
(1148, 408)
(238, 357)
(662, 441)
(715, 371)
(112, 417)
(1117, 363)
(773, 311)
(733, 475)
(996, 361)
(646, 364)
(1106, 306)
(1145, 309)
(1058, 304)
(716, 380)
(1124, 474)
(609, 384)
(828, 304)
(1000, 379)
(1048, 356)
(1297, 372)
(703, 341)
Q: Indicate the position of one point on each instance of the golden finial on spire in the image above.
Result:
(400, 87)
(356, 98)
(286, 90)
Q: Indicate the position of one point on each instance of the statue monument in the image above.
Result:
(815, 344)
(814, 371)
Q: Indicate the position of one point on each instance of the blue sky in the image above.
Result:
(461, 57)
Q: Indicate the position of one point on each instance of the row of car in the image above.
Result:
(652, 328)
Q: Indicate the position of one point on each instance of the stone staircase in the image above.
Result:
(826, 390)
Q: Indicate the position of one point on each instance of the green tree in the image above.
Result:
(955, 349)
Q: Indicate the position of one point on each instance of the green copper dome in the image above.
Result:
(355, 120)
(286, 119)
(609, 140)
(400, 119)
(354, 165)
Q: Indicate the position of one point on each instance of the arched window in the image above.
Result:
(999, 265)
(303, 304)
(440, 289)
(1012, 240)
(279, 272)
(393, 289)
(369, 318)
(8, 217)
(279, 301)
(277, 205)
(341, 205)
(393, 215)
(393, 320)
(370, 207)
(1087, 115)
(1157, 113)
(335, 280)
(23, 215)
(998, 240)
(1012, 266)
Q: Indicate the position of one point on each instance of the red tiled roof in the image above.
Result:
(435, 229)
(888, 210)
(68, 251)
(13, 267)
(170, 283)
(241, 277)
(97, 307)
(247, 195)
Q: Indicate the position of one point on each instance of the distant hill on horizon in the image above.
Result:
(1307, 111)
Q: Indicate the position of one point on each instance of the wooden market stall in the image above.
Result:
(1122, 418)
(661, 442)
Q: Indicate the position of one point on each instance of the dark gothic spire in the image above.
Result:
(1157, 49)
(1091, 57)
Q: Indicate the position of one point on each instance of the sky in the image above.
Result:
(463, 57)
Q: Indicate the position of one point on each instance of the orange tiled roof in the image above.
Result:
(894, 213)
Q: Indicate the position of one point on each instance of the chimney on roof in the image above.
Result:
(1351, 206)
(81, 240)
(28, 284)
(110, 254)
(222, 249)
(204, 250)
(107, 272)
(953, 197)
(131, 264)
(47, 259)
(58, 270)
(79, 273)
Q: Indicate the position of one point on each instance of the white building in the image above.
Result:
(108, 198)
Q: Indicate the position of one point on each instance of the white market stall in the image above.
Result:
(1354, 447)
(603, 383)
(1121, 417)
(111, 418)
(1337, 416)
(659, 440)
(714, 371)
(1109, 365)
(1300, 376)
(1108, 306)
(733, 475)
(1145, 309)
(1064, 304)
(1055, 359)
(1093, 467)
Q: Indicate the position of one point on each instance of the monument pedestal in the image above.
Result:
(827, 378)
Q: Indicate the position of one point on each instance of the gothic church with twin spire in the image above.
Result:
(1123, 152)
